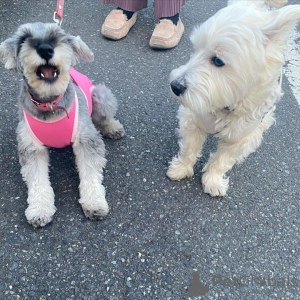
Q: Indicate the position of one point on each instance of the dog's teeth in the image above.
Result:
(55, 74)
(42, 75)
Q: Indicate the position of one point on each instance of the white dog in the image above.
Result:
(58, 107)
(230, 86)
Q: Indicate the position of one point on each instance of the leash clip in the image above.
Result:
(56, 19)
(50, 107)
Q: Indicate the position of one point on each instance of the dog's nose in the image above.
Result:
(45, 51)
(177, 87)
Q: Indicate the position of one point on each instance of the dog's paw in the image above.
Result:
(39, 216)
(215, 185)
(114, 130)
(177, 170)
(95, 215)
(95, 211)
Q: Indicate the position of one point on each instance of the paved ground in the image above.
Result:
(158, 232)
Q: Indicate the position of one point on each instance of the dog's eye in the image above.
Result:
(217, 61)
(22, 40)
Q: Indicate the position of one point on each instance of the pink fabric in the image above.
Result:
(162, 8)
(85, 85)
(61, 133)
(57, 134)
(130, 5)
(60, 8)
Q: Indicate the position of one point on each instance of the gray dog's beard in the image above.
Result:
(35, 94)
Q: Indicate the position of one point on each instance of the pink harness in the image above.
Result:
(62, 132)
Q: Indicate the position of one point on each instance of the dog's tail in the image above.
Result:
(104, 100)
(104, 109)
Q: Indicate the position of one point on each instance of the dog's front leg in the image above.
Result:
(191, 139)
(34, 160)
(89, 150)
(214, 179)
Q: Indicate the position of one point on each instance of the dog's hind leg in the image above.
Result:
(104, 109)
(34, 160)
(191, 140)
(214, 179)
(89, 151)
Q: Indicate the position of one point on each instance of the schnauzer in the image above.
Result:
(59, 106)
(229, 86)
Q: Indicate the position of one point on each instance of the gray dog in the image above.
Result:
(59, 107)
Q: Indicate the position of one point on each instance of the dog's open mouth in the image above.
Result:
(48, 73)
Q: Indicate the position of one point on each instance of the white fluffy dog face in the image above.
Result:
(230, 86)
(44, 54)
(234, 50)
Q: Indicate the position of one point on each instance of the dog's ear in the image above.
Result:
(282, 22)
(80, 49)
(8, 53)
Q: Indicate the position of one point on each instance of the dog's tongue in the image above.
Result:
(48, 71)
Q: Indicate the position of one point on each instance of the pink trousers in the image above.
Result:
(162, 8)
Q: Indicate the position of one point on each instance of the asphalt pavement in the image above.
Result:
(159, 234)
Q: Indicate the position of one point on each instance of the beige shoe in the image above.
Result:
(116, 25)
(166, 35)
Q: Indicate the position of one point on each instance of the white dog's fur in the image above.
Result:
(230, 86)
(25, 52)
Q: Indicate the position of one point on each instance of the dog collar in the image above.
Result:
(49, 106)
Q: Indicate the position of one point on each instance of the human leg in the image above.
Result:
(163, 8)
(129, 5)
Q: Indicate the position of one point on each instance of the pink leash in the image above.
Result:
(58, 14)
